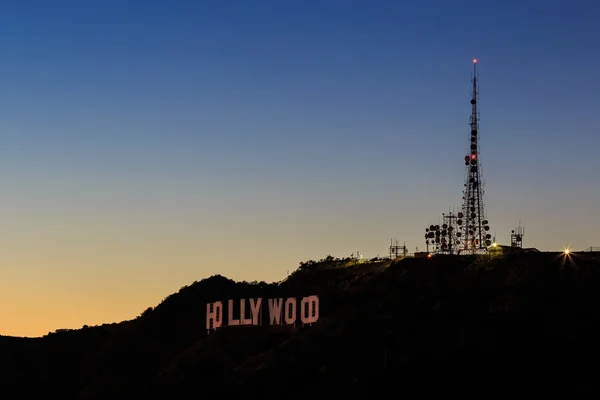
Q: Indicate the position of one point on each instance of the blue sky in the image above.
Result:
(155, 143)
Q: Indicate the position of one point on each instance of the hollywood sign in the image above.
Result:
(250, 312)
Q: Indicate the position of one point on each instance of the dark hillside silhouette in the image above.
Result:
(468, 325)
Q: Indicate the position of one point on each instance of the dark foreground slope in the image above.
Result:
(527, 323)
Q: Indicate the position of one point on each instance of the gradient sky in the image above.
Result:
(145, 145)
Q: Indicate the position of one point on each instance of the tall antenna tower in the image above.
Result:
(472, 222)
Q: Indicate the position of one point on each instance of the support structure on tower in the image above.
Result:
(474, 228)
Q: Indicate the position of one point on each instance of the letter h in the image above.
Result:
(214, 315)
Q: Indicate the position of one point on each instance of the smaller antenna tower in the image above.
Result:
(397, 250)
(516, 236)
(445, 239)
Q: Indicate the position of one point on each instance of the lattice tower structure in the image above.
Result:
(474, 229)
(444, 239)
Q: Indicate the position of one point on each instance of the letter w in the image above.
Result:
(275, 311)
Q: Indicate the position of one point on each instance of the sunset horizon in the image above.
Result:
(146, 147)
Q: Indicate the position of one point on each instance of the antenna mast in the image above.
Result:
(516, 236)
(472, 222)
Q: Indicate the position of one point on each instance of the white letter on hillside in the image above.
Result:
(243, 319)
(231, 320)
(255, 310)
(290, 311)
(310, 314)
(214, 315)
(275, 311)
